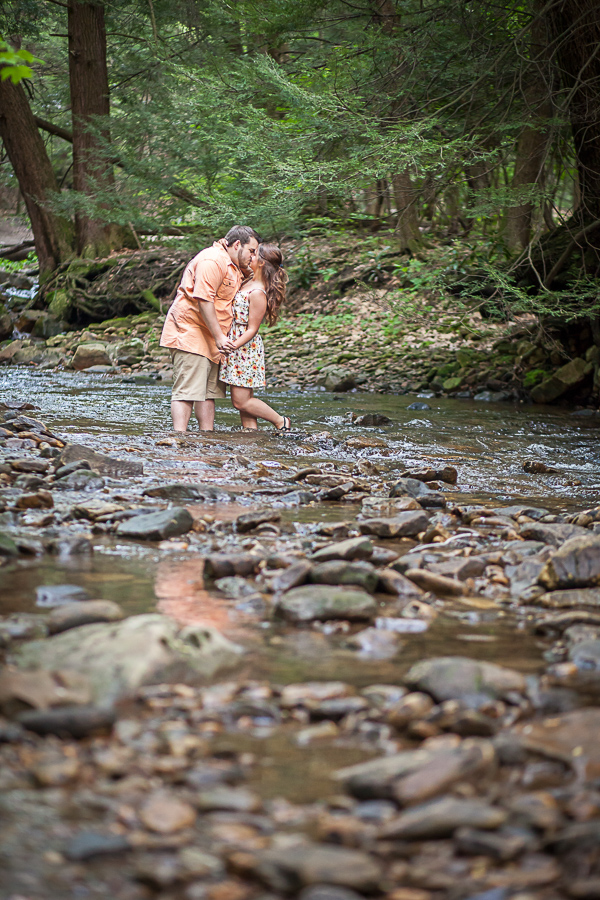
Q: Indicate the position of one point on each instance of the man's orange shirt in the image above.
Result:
(211, 276)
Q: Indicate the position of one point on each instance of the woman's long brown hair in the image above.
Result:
(274, 277)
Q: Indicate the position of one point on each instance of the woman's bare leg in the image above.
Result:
(248, 421)
(244, 400)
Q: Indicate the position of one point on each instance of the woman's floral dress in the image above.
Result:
(244, 367)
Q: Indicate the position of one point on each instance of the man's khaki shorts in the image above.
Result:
(195, 378)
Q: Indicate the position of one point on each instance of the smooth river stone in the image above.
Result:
(288, 869)
(84, 613)
(571, 738)
(157, 526)
(404, 524)
(441, 818)
(304, 604)
(459, 678)
(165, 813)
(569, 599)
(575, 564)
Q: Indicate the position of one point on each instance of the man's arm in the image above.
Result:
(207, 311)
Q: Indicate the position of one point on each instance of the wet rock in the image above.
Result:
(501, 846)
(337, 492)
(340, 572)
(575, 564)
(413, 776)
(251, 520)
(561, 381)
(231, 799)
(74, 466)
(127, 353)
(418, 490)
(474, 682)
(92, 844)
(100, 463)
(586, 655)
(179, 491)
(371, 419)
(327, 480)
(571, 738)
(409, 708)
(328, 892)
(120, 657)
(404, 524)
(81, 480)
(460, 568)
(293, 576)
(448, 474)
(292, 868)
(554, 534)
(158, 525)
(340, 381)
(222, 565)
(441, 818)
(90, 354)
(235, 587)
(353, 548)
(437, 584)
(94, 509)
(418, 405)
(59, 595)
(571, 599)
(492, 396)
(41, 689)
(55, 771)
(7, 546)
(165, 813)
(37, 500)
(33, 464)
(84, 613)
(304, 604)
(68, 721)
(532, 512)
(313, 692)
(536, 467)
(22, 626)
(375, 643)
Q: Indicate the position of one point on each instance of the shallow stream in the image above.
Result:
(129, 417)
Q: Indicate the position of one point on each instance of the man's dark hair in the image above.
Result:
(241, 233)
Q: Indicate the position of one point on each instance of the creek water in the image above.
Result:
(129, 417)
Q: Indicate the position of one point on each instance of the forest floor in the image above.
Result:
(358, 315)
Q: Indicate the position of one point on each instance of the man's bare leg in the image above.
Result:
(205, 413)
(181, 410)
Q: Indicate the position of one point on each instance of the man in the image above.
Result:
(198, 322)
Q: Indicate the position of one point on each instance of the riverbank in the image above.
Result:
(358, 316)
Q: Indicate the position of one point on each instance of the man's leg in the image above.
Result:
(205, 413)
(181, 410)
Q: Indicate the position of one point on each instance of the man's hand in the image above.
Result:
(224, 344)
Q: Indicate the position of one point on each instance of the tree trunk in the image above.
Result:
(92, 169)
(405, 199)
(575, 26)
(529, 169)
(532, 145)
(27, 153)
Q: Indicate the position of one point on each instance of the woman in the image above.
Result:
(244, 368)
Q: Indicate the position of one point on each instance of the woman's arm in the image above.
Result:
(258, 307)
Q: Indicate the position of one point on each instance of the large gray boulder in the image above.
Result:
(561, 381)
(117, 658)
(90, 353)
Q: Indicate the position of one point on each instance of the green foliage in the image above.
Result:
(14, 64)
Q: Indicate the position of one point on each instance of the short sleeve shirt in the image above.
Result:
(210, 277)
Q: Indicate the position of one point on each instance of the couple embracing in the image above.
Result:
(212, 329)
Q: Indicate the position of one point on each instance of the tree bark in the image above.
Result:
(23, 143)
(405, 199)
(532, 145)
(90, 106)
(575, 28)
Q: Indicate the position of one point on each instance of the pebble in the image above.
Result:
(163, 812)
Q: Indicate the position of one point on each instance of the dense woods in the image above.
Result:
(442, 120)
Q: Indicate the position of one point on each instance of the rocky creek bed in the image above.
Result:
(362, 659)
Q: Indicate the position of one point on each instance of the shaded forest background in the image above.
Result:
(439, 121)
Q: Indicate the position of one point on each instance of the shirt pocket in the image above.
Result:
(227, 289)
